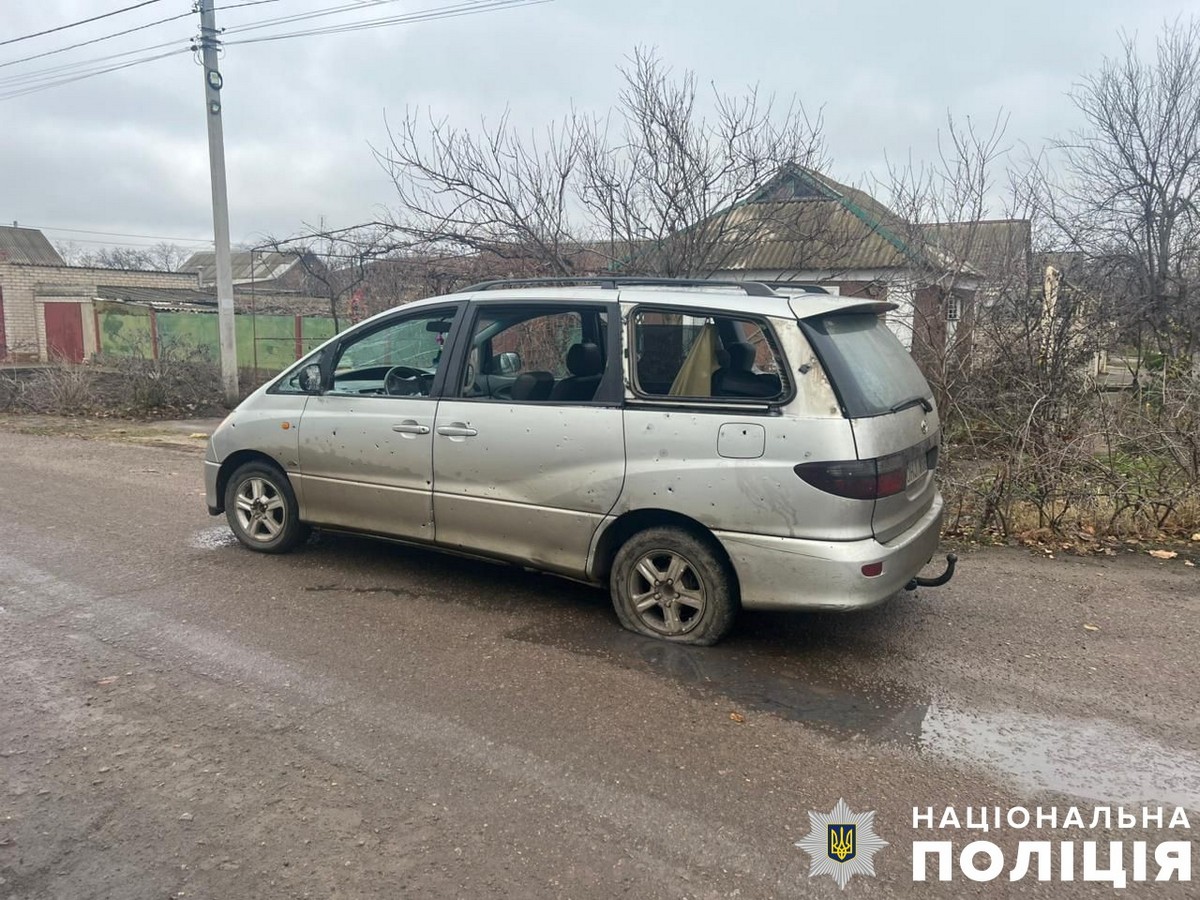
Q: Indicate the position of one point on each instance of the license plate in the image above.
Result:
(917, 467)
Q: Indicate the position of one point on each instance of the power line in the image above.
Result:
(304, 16)
(43, 79)
(354, 6)
(447, 12)
(186, 15)
(140, 245)
(153, 237)
(67, 79)
(106, 15)
(240, 5)
(43, 74)
(106, 37)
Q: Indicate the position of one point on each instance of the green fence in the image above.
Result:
(264, 342)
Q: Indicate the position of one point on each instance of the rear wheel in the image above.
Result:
(261, 508)
(668, 583)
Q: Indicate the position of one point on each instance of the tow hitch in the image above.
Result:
(937, 581)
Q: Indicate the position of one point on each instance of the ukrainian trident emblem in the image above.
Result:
(841, 843)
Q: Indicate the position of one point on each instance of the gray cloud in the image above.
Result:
(127, 151)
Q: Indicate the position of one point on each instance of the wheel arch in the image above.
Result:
(630, 523)
(236, 460)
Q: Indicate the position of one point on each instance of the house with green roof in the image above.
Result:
(802, 226)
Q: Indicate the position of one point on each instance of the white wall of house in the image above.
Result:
(900, 320)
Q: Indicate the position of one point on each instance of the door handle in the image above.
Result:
(457, 429)
(411, 427)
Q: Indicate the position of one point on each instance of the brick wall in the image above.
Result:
(25, 286)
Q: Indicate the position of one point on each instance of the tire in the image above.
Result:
(261, 509)
(685, 589)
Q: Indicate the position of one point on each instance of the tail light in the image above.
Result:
(872, 479)
(858, 479)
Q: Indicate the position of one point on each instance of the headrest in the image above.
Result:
(584, 360)
(741, 356)
(532, 386)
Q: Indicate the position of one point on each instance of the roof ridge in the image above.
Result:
(1010, 219)
(857, 211)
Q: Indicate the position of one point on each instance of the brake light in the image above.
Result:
(858, 479)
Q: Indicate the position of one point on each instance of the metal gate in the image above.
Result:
(64, 332)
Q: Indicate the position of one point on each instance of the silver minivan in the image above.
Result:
(698, 447)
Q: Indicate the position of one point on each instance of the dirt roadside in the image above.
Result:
(179, 434)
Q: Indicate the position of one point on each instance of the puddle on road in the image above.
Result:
(214, 538)
(1097, 759)
(1092, 759)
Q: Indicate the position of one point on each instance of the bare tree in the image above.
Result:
(496, 192)
(337, 263)
(640, 188)
(161, 257)
(966, 268)
(658, 174)
(1131, 180)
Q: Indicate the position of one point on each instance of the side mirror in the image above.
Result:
(310, 379)
(509, 363)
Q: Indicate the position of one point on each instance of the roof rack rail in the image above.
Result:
(807, 287)
(612, 283)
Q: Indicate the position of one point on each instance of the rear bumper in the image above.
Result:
(792, 573)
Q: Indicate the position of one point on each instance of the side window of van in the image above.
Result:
(528, 354)
(698, 356)
(398, 358)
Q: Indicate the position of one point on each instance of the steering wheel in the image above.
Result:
(403, 381)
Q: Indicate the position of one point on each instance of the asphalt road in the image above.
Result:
(180, 717)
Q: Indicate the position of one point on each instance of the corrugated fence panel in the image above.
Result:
(267, 343)
(183, 334)
(315, 330)
(125, 331)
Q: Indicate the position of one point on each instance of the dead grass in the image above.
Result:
(137, 388)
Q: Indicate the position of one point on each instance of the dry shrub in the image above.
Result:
(65, 389)
(1104, 465)
(182, 379)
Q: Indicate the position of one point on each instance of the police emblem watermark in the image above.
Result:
(842, 843)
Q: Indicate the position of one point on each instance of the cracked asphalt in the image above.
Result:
(184, 718)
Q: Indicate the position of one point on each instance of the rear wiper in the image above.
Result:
(912, 401)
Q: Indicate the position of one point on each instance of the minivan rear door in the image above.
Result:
(889, 404)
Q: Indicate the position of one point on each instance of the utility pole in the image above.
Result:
(220, 200)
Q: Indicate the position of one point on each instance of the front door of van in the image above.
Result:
(366, 443)
(527, 463)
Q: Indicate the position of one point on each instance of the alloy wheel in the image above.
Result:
(668, 595)
(261, 510)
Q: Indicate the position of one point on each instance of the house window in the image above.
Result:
(952, 307)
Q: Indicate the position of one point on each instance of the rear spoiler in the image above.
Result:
(812, 306)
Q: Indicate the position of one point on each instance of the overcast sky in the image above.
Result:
(126, 151)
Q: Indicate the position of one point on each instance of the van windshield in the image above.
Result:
(870, 369)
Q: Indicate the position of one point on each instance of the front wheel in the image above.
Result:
(261, 508)
(670, 584)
